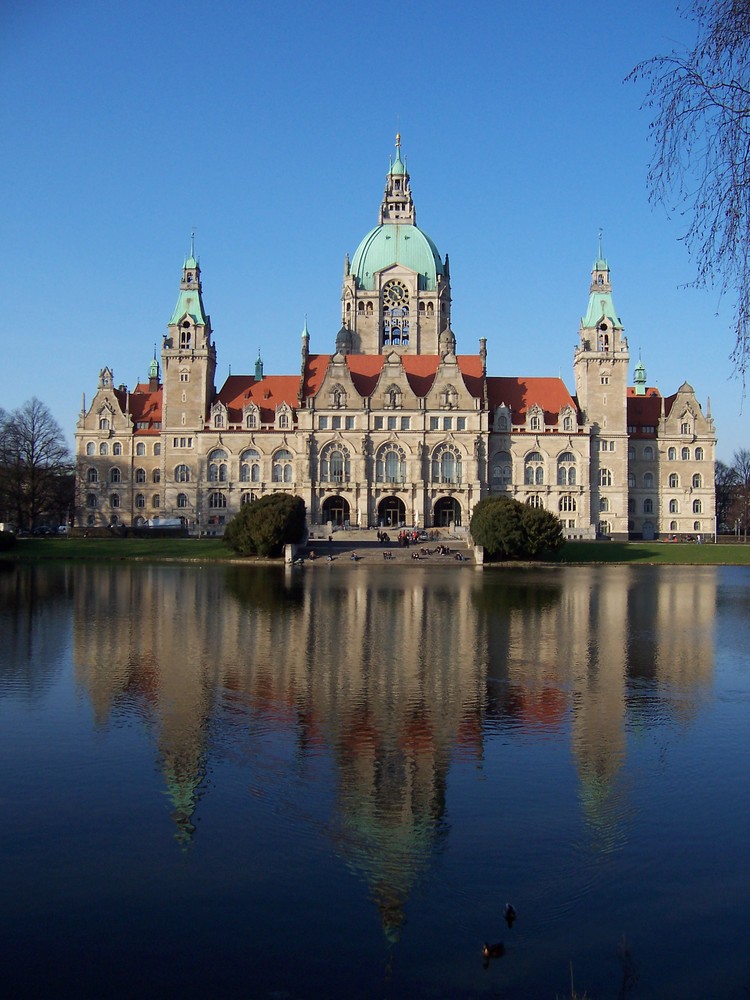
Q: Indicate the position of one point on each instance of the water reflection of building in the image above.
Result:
(392, 676)
(35, 628)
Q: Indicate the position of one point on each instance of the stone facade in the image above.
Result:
(395, 427)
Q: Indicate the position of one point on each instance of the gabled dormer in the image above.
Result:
(251, 417)
(219, 416)
(535, 419)
(503, 419)
(284, 417)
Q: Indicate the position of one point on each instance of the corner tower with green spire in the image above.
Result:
(396, 291)
(188, 355)
(600, 366)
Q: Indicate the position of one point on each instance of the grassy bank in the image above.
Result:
(113, 549)
(663, 553)
(214, 550)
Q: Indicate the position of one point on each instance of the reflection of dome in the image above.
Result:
(397, 243)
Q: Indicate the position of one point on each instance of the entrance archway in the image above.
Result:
(391, 512)
(336, 510)
(447, 513)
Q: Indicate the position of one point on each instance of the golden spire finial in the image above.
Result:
(398, 140)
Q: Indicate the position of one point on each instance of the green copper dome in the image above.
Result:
(397, 243)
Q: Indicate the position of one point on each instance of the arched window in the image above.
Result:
(156, 476)
(604, 504)
(502, 422)
(155, 500)
(672, 454)
(182, 474)
(566, 470)
(533, 471)
(91, 500)
(250, 466)
(648, 480)
(698, 454)
(648, 506)
(648, 453)
(502, 469)
(534, 501)
(182, 500)
(247, 497)
(251, 421)
(103, 449)
(115, 476)
(631, 480)
(697, 507)
(185, 336)
(673, 525)
(92, 476)
(103, 423)
(140, 448)
(217, 501)
(391, 465)
(140, 500)
(335, 465)
(567, 504)
(605, 477)
(217, 466)
(284, 420)
(91, 448)
(685, 454)
(114, 500)
(117, 448)
(674, 481)
(674, 507)
(535, 423)
(218, 419)
(157, 449)
(282, 467)
(696, 526)
(567, 423)
(140, 475)
(446, 465)
(697, 481)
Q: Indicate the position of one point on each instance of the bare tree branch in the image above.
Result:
(700, 165)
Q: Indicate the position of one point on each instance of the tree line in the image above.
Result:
(37, 477)
(733, 494)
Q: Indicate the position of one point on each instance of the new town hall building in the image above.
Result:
(396, 427)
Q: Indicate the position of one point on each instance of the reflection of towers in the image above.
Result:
(391, 671)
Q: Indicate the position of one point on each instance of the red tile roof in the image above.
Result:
(145, 407)
(521, 393)
(644, 411)
(420, 372)
(267, 394)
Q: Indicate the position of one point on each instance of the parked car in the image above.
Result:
(43, 531)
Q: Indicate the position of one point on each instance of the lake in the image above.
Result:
(230, 781)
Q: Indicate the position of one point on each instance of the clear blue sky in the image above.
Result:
(268, 127)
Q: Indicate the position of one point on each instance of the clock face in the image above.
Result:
(395, 293)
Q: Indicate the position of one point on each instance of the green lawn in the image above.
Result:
(666, 553)
(208, 549)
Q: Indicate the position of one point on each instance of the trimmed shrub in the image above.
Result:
(264, 526)
(511, 530)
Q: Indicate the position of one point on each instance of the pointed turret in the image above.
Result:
(259, 368)
(188, 353)
(639, 378)
(153, 374)
(397, 205)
